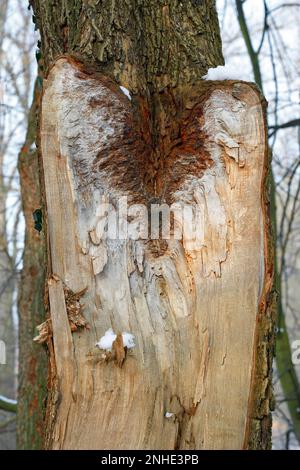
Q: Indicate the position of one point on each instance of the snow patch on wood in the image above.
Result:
(126, 92)
(106, 341)
(225, 72)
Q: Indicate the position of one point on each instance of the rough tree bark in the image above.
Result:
(201, 313)
(32, 357)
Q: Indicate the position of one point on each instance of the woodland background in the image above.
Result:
(260, 43)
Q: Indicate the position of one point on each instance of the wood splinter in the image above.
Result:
(119, 350)
(74, 311)
(75, 308)
(45, 332)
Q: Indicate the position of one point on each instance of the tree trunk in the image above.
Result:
(32, 358)
(198, 373)
(7, 275)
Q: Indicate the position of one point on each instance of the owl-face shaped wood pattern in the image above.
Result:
(205, 151)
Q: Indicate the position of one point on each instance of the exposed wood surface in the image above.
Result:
(192, 306)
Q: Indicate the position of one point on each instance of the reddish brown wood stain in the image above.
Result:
(158, 147)
(155, 153)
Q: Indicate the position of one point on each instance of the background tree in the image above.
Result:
(16, 75)
(273, 57)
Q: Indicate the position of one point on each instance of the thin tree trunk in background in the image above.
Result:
(33, 358)
(7, 287)
(199, 375)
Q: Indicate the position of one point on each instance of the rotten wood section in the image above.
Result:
(192, 306)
